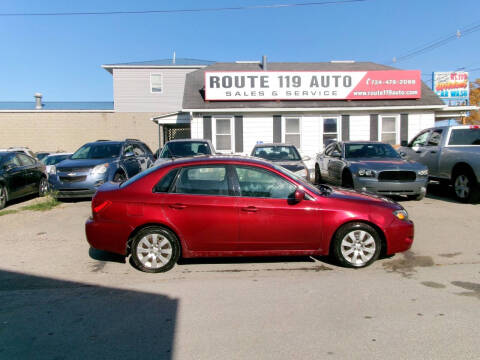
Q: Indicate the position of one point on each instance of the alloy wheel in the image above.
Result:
(154, 251)
(358, 247)
(43, 187)
(462, 186)
(3, 197)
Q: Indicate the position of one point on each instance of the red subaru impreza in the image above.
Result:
(237, 206)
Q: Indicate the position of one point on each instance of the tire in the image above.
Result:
(155, 257)
(347, 180)
(465, 187)
(42, 187)
(358, 239)
(3, 196)
(318, 175)
(119, 177)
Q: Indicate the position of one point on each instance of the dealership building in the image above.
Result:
(236, 105)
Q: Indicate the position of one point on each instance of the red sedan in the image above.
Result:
(236, 206)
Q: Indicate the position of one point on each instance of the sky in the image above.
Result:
(61, 56)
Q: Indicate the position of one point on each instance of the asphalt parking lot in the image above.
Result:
(59, 299)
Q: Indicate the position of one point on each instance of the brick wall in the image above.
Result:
(67, 131)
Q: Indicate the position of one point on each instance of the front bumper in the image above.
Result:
(399, 236)
(75, 184)
(372, 185)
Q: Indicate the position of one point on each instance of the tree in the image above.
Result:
(474, 117)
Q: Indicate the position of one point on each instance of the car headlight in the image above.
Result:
(401, 215)
(366, 172)
(301, 173)
(99, 169)
(51, 169)
(423, 172)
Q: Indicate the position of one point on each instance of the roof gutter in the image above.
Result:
(317, 109)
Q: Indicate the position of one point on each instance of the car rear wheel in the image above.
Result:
(465, 187)
(356, 245)
(155, 249)
(42, 187)
(3, 196)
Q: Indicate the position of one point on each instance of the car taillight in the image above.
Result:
(96, 208)
(474, 126)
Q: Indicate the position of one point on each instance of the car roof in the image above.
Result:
(106, 142)
(361, 142)
(273, 144)
(187, 140)
(221, 158)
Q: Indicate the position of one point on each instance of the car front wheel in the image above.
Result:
(3, 196)
(42, 187)
(356, 245)
(155, 249)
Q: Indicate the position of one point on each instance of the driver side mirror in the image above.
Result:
(299, 195)
(129, 154)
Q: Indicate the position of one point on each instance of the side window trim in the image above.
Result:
(175, 182)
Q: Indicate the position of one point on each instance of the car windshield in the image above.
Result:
(97, 151)
(277, 153)
(185, 149)
(52, 160)
(355, 151)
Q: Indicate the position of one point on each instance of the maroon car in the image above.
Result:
(235, 206)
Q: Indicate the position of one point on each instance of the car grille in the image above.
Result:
(62, 169)
(403, 176)
(72, 179)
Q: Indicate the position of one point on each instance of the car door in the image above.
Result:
(31, 174)
(268, 218)
(202, 207)
(324, 160)
(432, 152)
(416, 150)
(335, 164)
(14, 175)
(141, 156)
(130, 161)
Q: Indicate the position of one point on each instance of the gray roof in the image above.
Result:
(194, 88)
(165, 62)
(57, 105)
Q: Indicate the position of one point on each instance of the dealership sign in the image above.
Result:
(312, 85)
(451, 85)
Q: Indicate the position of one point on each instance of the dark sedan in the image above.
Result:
(372, 167)
(20, 175)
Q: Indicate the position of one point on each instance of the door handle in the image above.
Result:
(178, 206)
(250, 209)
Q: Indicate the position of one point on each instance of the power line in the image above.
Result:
(140, 12)
(436, 43)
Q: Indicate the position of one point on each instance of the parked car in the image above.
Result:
(51, 160)
(41, 155)
(284, 155)
(452, 155)
(21, 149)
(174, 149)
(20, 175)
(96, 163)
(238, 206)
(373, 167)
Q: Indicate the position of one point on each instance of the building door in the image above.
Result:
(176, 131)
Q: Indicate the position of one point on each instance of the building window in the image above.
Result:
(330, 130)
(388, 130)
(292, 131)
(156, 83)
(223, 134)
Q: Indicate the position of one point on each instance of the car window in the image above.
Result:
(185, 149)
(54, 159)
(26, 160)
(355, 151)
(166, 182)
(13, 160)
(435, 138)
(128, 149)
(138, 151)
(255, 182)
(203, 180)
(277, 153)
(420, 140)
(469, 136)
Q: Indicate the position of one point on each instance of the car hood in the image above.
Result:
(291, 165)
(82, 163)
(386, 164)
(352, 195)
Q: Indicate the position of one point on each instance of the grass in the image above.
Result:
(47, 203)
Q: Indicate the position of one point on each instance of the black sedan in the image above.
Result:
(371, 167)
(20, 175)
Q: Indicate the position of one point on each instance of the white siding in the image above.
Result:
(131, 90)
(196, 127)
(360, 127)
(256, 127)
(311, 135)
(419, 121)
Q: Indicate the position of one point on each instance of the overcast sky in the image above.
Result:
(61, 56)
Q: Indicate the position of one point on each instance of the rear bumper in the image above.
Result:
(107, 236)
(374, 186)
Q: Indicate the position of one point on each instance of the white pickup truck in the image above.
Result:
(452, 155)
